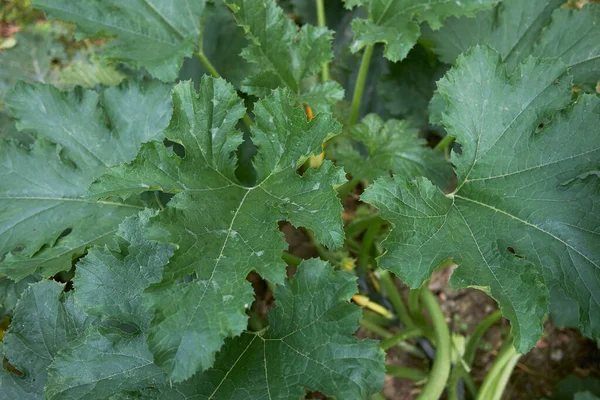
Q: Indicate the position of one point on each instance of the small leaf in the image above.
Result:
(396, 23)
(285, 54)
(374, 149)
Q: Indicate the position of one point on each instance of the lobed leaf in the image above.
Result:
(44, 220)
(518, 29)
(285, 54)
(375, 148)
(223, 230)
(522, 219)
(45, 320)
(153, 34)
(395, 23)
(308, 346)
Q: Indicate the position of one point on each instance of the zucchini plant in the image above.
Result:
(132, 215)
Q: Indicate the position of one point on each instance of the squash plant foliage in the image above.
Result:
(165, 193)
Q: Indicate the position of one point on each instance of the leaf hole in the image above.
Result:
(513, 252)
(65, 233)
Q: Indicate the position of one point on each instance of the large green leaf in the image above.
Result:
(574, 37)
(396, 22)
(30, 60)
(526, 198)
(375, 148)
(11, 291)
(44, 220)
(517, 29)
(306, 347)
(222, 229)
(109, 283)
(56, 334)
(285, 54)
(45, 320)
(102, 363)
(154, 34)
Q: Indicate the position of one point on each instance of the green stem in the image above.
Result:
(391, 290)
(355, 227)
(441, 364)
(207, 64)
(359, 87)
(291, 259)
(321, 22)
(347, 187)
(365, 250)
(157, 198)
(323, 253)
(377, 396)
(459, 370)
(376, 329)
(444, 143)
(211, 68)
(401, 337)
(405, 372)
(495, 381)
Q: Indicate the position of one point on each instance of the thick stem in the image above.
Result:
(495, 381)
(291, 259)
(323, 253)
(394, 297)
(321, 22)
(405, 372)
(459, 370)
(376, 329)
(441, 364)
(401, 337)
(359, 87)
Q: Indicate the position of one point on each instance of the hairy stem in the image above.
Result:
(359, 87)
(441, 364)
